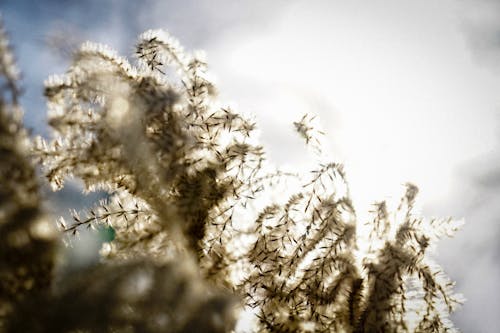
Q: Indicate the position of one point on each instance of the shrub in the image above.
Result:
(205, 227)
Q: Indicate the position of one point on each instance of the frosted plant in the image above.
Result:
(139, 295)
(165, 146)
(189, 185)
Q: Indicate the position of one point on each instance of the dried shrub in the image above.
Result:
(189, 186)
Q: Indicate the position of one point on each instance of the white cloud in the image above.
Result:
(411, 104)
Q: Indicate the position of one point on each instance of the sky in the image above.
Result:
(405, 90)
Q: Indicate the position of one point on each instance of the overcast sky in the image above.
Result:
(406, 90)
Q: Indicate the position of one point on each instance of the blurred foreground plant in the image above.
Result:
(27, 236)
(201, 219)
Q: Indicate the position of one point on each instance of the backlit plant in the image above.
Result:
(206, 229)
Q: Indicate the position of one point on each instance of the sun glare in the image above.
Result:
(387, 101)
